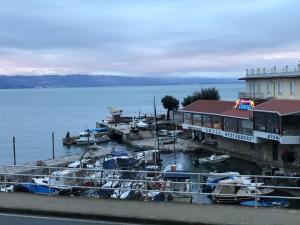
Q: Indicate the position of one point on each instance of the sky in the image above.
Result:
(187, 38)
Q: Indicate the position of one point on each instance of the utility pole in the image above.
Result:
(53, 156)
(14, 150)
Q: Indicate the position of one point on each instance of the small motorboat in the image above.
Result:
(238, 190)
(92, 136)
(177, 182)
(85, 138)
(211, 159)
(7, 188)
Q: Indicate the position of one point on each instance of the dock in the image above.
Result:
(62, 161)
(145, 139)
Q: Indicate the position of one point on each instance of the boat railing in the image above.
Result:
(145, 182)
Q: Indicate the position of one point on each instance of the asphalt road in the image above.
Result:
(16, 219)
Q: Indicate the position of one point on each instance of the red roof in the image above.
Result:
(282, 107)
(209, 106)
(247, 114)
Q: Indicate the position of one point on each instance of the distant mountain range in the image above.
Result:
(56, 81)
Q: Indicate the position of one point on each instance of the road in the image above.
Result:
(17, 219)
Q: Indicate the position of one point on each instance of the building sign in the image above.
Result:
(244, 104)
(226, 134)
(269, 136)
(258, 136)
(241, 137)
(212, 131)
(275, 137)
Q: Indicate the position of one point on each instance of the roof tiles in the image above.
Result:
(282, 107)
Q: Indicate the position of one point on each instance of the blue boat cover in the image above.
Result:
(110, 164)
(34, 188)
(119, 153)
(101, 129)
(128, 163)
(271, 202)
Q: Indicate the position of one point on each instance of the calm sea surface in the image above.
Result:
(32, 114)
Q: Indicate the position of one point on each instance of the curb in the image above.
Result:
(96, 217)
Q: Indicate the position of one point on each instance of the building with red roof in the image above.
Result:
(262, 131)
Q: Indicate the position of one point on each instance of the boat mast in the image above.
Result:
(156, 132)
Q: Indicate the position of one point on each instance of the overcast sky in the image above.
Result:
(149, 38)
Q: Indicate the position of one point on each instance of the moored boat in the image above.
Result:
(238, 190)
(212, 159)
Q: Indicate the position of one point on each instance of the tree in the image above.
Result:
(205, 93)
(170, 103)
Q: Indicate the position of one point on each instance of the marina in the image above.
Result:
(190, 158)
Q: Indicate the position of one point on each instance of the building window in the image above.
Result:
(266, 122)
(206, 120)
(245, 127)
(197, 119)
(272, 123)
(230, 124)
(291, 125)
(292, 87)
(187, 118)
(259, 121)
(268, 88)
(279, 87)
(217, 122)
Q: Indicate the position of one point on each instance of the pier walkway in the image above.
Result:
(57, 162)
(144, 212)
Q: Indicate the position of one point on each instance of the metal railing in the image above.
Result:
(147, 185)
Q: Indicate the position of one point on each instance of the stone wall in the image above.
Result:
(260, 153)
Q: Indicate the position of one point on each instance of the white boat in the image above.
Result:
(84, 164)
(64, 179)
(212, 159)
(142, 124)
(6, 188)
(90, 138)
(85, 138)
(178, 185)
(238, 190)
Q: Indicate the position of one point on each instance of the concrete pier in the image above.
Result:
(145, 140)
(57, 162)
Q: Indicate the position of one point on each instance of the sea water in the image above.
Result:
(31, 115)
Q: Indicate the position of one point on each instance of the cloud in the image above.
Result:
(146, 37)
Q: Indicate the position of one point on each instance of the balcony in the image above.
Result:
(252, 95)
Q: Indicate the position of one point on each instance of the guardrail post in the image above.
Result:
(146, 192)
(199, 189)
(95, 180)
(5, 182)
(255, 192)
(49, 175)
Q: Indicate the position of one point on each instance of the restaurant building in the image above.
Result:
(262, 130)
